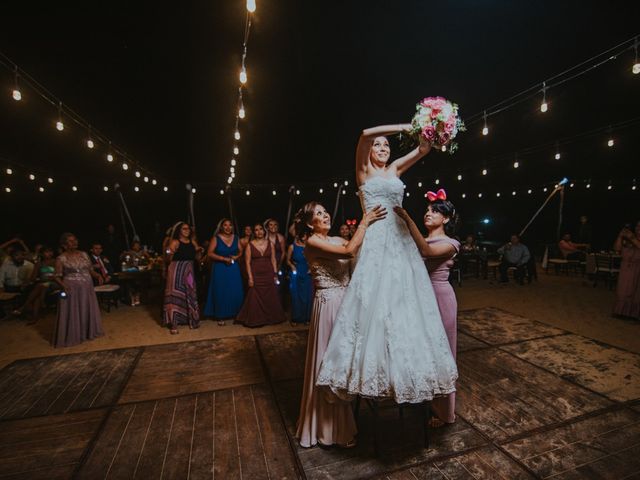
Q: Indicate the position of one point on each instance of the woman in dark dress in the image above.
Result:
(300, 283)
(262, 305)
(180, 297)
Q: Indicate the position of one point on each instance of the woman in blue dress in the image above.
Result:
(300, 284)
(225, 286)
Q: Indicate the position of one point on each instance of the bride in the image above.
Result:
(388, 340)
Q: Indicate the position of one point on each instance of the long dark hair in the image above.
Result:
(303, 218)
(447, 210)
(178, 228)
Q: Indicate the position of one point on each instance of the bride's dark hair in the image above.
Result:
(447, 210)
(303, 218)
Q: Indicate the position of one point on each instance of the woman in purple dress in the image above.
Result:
(628, 290)
(261, 305)
(439, 249)
(324, 418)
(78, 310)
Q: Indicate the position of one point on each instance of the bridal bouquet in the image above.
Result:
(437, 122)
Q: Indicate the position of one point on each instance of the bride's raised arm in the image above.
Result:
(403, 164)
(366, 141)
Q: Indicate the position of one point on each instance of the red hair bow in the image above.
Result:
(441, 195)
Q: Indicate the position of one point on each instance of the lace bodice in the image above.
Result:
(74, 267)
(387, 192)
(330, 272)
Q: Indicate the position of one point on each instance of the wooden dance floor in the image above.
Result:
(533, 402)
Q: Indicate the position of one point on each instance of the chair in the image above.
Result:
(606, 269)
(556, 259)
(107, 295)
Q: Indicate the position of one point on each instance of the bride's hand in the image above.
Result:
(376, 213)
(402, 213)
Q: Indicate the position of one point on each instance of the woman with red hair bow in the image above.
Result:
(438, 250)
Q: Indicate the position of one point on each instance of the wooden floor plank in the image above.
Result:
(179, 448)
(226, 463)
(278, 454)
(252, 458)
(53, 443)
(201, 465)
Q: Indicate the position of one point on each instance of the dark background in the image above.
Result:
(161, 82)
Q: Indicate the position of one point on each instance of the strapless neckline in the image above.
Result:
(386, 179)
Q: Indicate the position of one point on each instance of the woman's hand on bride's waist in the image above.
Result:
(376, 213)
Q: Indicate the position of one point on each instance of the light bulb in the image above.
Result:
(516, 164)
(243, 75)
(544, 189)
(50, 180)
(236, 135)
(125, 166)
(251, 5)
(513, 193)
(419, 184)
(136, 189)
(154, 182)
(137, 174)
(41, 189)
(544, 107)
(346, 183)
(90, 143)
(635, 69)
(344, 192)
(558, 156)
(17, 96)
(335, 185)
(241, 112)
(274, 192)
(321, 190)
(633, 188)
(484, 171)
(529, 191)
(146, 179)
(32, 176)
(610, 142)
(59, 125)
(7, 189)
(571, 185)
(498, 194)
(74, 188)
(485, 131)
(221, 192)
(109, 157)
(229, 180)
(609, 187)
(479, 195)
(408, 194)
(166, 189)
(464, 195)
(588, 185)
(106, 189)
(193, 190)
(233, 175)
(236, 150)
(248, 192)
(459, 177)
(233, 162)
(9, 171)
(444, 148)
(437, 181)
(297, 192)
(232, 169)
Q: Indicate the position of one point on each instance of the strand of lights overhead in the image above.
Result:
(571, 73)
(243, 78)
(66, 117)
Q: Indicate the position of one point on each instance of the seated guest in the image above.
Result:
(44, 284)
(571, 250)
(15, 272)
(101, 264)
(514, 254)
(6, 247)
(469, 245)
(135, 255)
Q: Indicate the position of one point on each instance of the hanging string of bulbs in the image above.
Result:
(569, 74)
(241, 112)
(65, 115)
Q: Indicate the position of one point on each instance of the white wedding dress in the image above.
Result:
(388, 340)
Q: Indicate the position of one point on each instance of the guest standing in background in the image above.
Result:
(628, 289)
(272, 227)
(225, 286)
(344, 232)
(180, 296)
(78, 311)
(300, 286)
(261, 305)
(439, 249)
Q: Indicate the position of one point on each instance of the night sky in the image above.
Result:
(161, 82)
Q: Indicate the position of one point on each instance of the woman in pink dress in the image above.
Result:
(628, 290)
(325, 419)
(439, 249)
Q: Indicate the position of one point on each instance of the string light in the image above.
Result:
(136, 189)
(485, 129)
(146, 179)
(16, 94)
(50, 180)
(90, 143)
(459, 177)
(464, 195)
(408, 194)
(232, 169)
(557, 157)
(9, 171)
(437, 181)
(241, 111)
(7, 189)
(543, 106)
(480, 195)
(232, 175)
(41, 189)
(74, 188)
(248, 193)
(154, 182)
(193, 190)
(105, 188)
(636, 64)
(243, 76)
(236, 135)
(165, 188)
(346, 183)
(588, 185)
(484, 171)
(544, 189)
(516, 164)
(344, 192)
(236, 150)
(125, 166)
(298, 192)
(274, 193)
(109, 157)
(233, 162)
(513, 193)
(571, 185)
(419, 184)
(251, 6)
(609, 187)
(221, 192)
(32, 176)
(59, 124)
(498, 194)
(138, 174)
(229, 180)
(529, 191)
(610, 142)
(335, 184)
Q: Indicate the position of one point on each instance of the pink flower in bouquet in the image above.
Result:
(429, 133)
(443, 138)
(450, 125)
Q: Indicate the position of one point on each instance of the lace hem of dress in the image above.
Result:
(374, 391)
